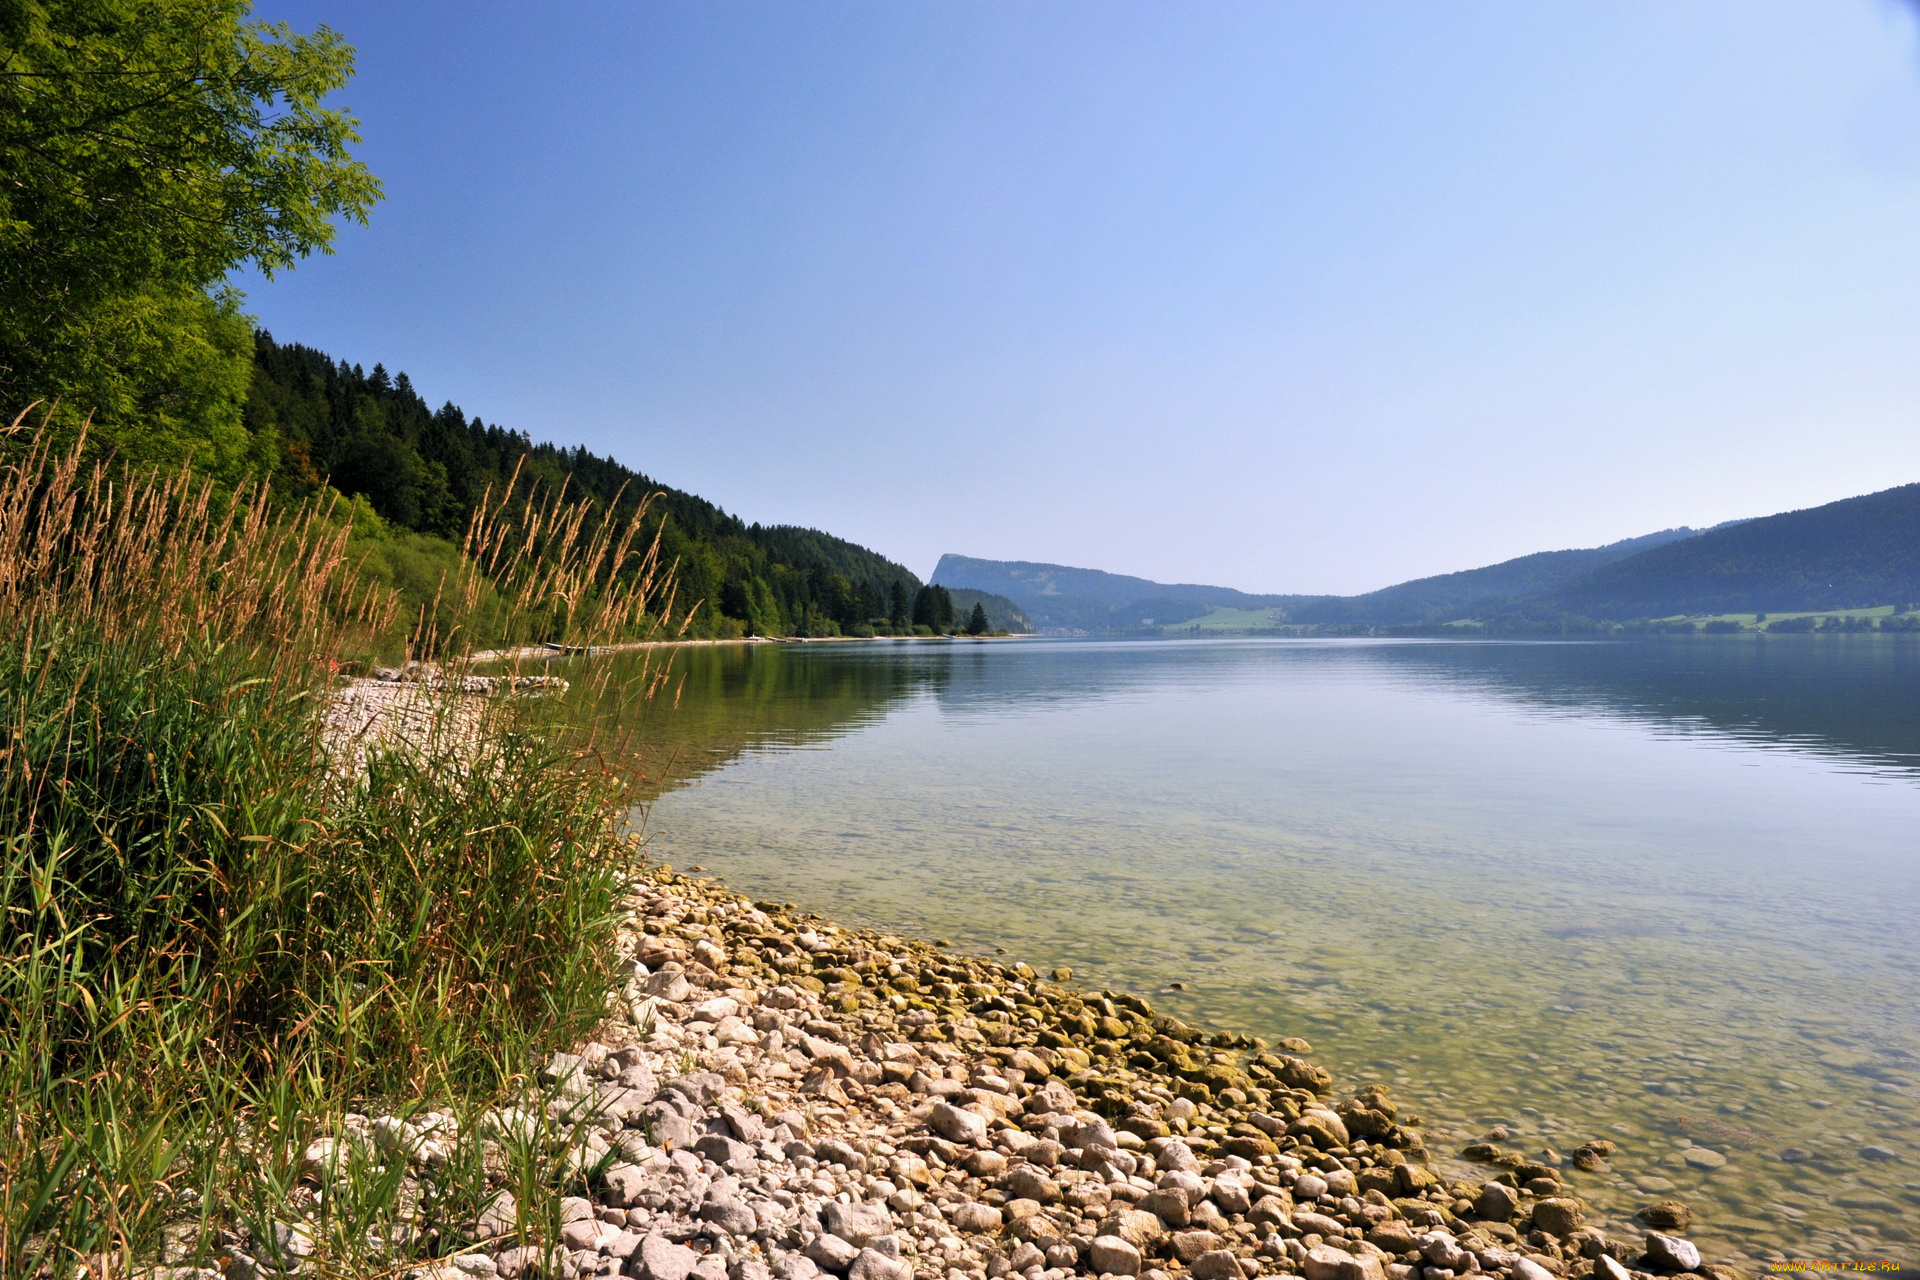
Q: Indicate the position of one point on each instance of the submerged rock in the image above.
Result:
(1667, 1215)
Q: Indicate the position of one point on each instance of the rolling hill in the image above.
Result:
(1853, 553)
(1472, 591)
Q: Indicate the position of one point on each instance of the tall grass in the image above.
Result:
(217, 939)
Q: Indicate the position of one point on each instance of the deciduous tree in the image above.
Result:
(147, 149)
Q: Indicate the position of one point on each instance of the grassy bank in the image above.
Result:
(221, 939)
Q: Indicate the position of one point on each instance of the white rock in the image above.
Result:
(735, 1031)
(1089, 1131)
(831, 1252)
(586, 1233)
(1309, 1187)
(322, 1158)
(1307, 1220)
(1671, 1253)
(1110, 1255)
(625, 1182)
(730, 1216)
(715, 1009)
(1606, 1267)
(972, 1216)
(857, 1224)
(510, 1124)
(956, 1125)
(1231, 1196)
(1441, 1250)
(1217, 1264)
(658, 1258)
(1324, 1119)
(672, 987)
(1190, 1186)
(871, 1264)
(290, 1241)
(395, 1136)
(1176, 1155)
(1324, 1262)
(498, 1217)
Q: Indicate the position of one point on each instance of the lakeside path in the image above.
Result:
(773, 1096)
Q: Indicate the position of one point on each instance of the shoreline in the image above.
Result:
(776, 1097)
(773, 1096)
(627, 646)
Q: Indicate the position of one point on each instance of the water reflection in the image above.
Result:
(1855, 698)
(681, 714)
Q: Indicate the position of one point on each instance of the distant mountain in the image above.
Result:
(1002, 613)
(1060, 598)
(1023, 579)
(1855, 553)
(1849, 554)
(1473, 591)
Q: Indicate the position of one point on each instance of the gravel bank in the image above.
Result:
(773, 1096)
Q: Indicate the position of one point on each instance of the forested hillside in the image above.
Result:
(1001, 613)
(372, 436)
(1477, 592)
(1853, 553)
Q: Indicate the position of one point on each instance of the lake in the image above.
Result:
(1658, 891)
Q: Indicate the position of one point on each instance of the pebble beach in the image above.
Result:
(773, 1096)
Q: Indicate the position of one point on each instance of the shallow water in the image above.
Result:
(1662, 892)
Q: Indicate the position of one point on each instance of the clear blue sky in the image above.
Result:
(1284, 296)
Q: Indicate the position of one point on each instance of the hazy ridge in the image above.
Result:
(1861, 552)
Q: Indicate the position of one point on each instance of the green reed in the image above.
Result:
(221, 934)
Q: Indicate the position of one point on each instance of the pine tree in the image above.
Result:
(977, 622)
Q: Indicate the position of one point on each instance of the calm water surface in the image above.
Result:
(1662, 892)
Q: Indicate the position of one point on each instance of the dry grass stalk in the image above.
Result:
(162, 556)
(568, 573)
(213, 947)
